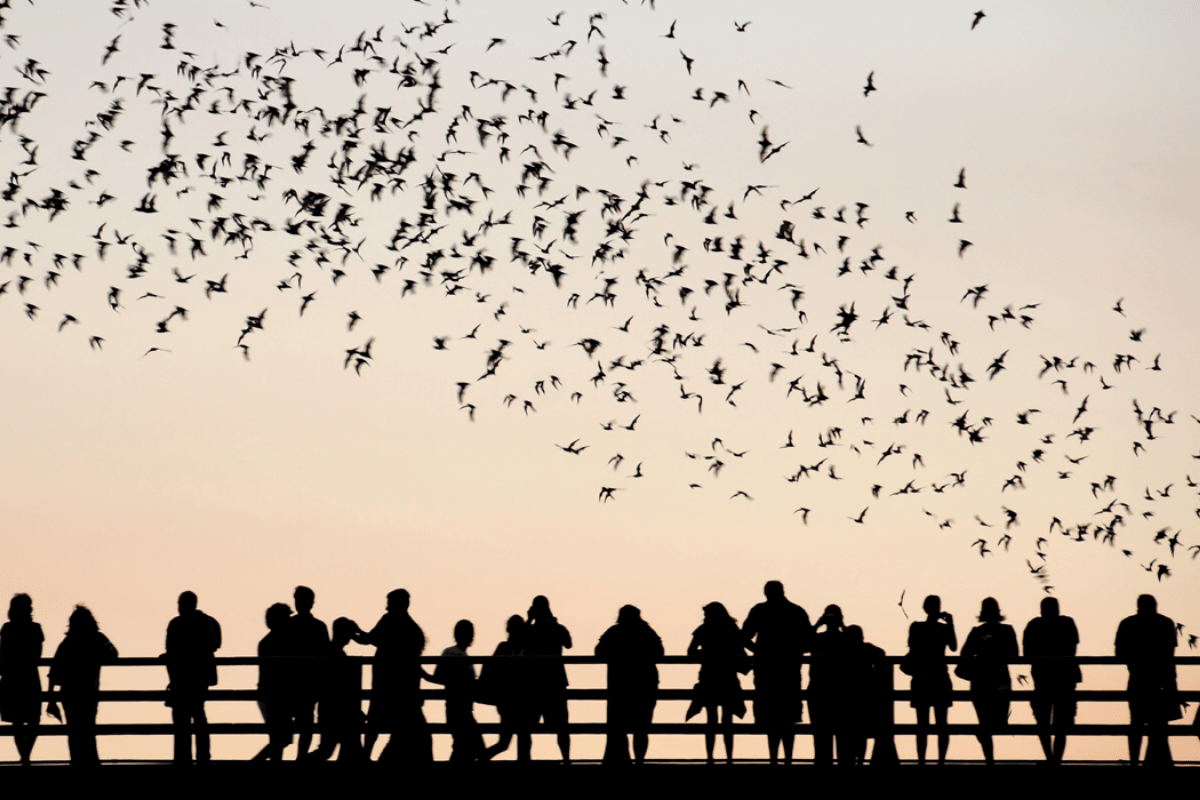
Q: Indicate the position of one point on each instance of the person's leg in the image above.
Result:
(181, 718)
(24, 742)
(561, 719)
(1043, 715)
(200, 728)
(306, 715)
(788, 740)
(1135, 739)
(773, 746)
(943, 739)
(507, 716)
(922, 736)
(727, 724)
(81, 717)
(710, 731)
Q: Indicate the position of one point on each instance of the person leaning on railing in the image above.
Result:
(1053, 636)
(1147, 641)
(76, 670)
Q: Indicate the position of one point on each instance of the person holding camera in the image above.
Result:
(928, 641)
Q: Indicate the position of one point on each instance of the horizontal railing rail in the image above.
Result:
(699, 727)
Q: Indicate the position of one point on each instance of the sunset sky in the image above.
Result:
(128, 475)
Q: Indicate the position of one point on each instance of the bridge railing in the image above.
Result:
(885, 726)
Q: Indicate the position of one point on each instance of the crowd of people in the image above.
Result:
(306, 678)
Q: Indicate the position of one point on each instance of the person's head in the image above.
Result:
(277, 616)
(932, 605)
(1049, 607)
(539, 608)
(82, 621)
(398, 600)
(515, 626)
(304, 597)
(989, 611)
(716, 612)
(464, 633)
(187, 602)
(773, 590)
(343, 631)
(833, 616)
(854, 634)
(629, 615)
(1146, 604)
(20, 608)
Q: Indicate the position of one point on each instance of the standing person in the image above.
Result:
(544, 636)
(275, 684)
(341, 697)
(928, 641)
(630, 647)
(866, 696)
(1055, 636)
(20, 683)
(76, 670)
(1146, 642)
(503, 684)
(718, 643)
(309, 638)
(192, 639)
(826, 687)
(458, 676)
(396, 685)
(988, 647)
(777, 632)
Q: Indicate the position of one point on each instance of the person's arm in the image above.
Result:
(694, 647)
(216, 634)
(1011, 644)
(952, 639)
(970, 645)
(807, 632)
(54, 680)
(564, 636)
(749, 631)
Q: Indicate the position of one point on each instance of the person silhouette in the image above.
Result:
(192, 639)
(341, 698)
(396, 685)
(458, 676)
(985, 654)
(309, 640)
(865, 700)
(718, 644)
(1053, 636)
(1146, 642)
(827, 687)
(630, 647)
(928, 641)
(777, 632)
(547, 679)
(276, 684)
(21, 642)
(503, 684)
(76, 670)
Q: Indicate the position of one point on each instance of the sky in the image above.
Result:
(146, 463)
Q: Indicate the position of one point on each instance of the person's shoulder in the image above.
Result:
(453, 650)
